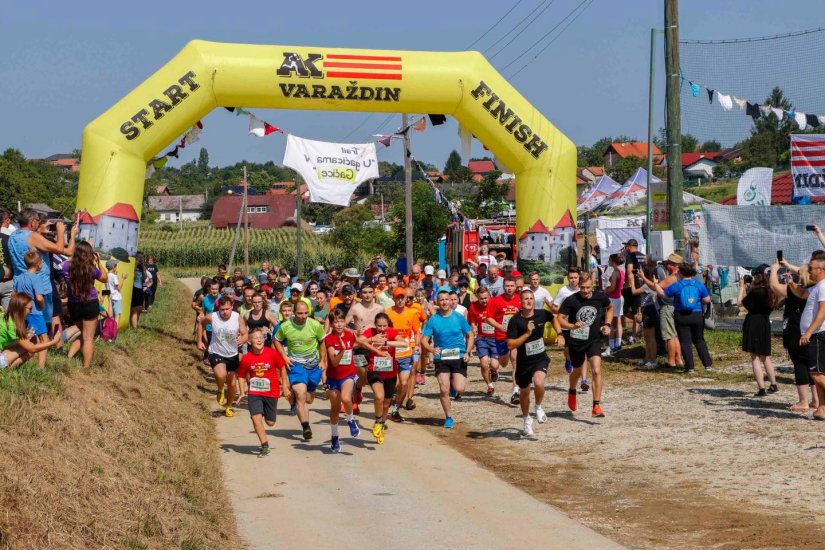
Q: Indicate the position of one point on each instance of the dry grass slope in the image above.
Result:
(122, 455)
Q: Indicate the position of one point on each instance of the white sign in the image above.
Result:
(331, 171)
(808, 165)
(755, 187)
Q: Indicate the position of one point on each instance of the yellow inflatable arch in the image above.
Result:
(207, 75)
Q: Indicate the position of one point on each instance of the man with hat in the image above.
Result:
(296, 295)
(667, 311)
(352, 278)
(508, 269)
(428, 282)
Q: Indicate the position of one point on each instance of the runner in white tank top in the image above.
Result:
(229, 331)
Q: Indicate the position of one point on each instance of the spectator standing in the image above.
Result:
(613, 290)
(757, 299)
(812, 326)
(138, 296)
(152, 290)
(6, 273)
(83, 270)
(688, 295)
(115, 286)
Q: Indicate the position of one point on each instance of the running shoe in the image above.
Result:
(395, 416)
(292, 410)
(378, 433)
(307, 433)
(409, 405)
(571, 399)
(229, 412)
(354, 430)
(491, 391)
(419, 379)
(452, 392)
(690, 371)
(541, 416)
(457, 396)
(335, 446)
(772, 388)
(709, 369)
(631, 340)
(568, 366)
(585, 386)
(514, 399)
(494, 375)
(650, 365)
(607, 352)
(761, 393)
(222, 398)
(597, 411)
(528, 426)
(448, 422)
(265, 451)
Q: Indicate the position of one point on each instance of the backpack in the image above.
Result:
(689, 296)
(108, 329)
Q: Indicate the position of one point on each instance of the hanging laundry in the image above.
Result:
(386, 141)
(437, 120)
(725, 101)
(752, 110)
(812, 120)
(800, 120)
(261, 128)
(695, 89)
(160, 162)
(765, 110)
(710, 95)
(421, 125)
(740, 102)
(150, 169)
(466, 141)
(173, 152)
(777, 112)
(821, 119)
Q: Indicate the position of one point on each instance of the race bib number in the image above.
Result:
(505, 322)
(361, 361)
(582, 333)
(487, 328)
(535, 347)
(450, 354)
(382, 364)
(259, 384)
(346, 358)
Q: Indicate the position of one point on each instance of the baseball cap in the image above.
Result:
(347, 289)
(399, 292)
(445, 288)
(508, 264)
(441, 274)
(297, 286)
(631, 242)
(463, 282)
(262, 277)
(320, 268)
(429, 270)
(674, 259)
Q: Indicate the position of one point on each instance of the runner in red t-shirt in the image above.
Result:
(341, 374)
(382, 369)
(485, 342)
(265, 372)
(502, 309)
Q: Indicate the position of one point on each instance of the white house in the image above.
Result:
(117, 227)
(173, 208)
(544, 244)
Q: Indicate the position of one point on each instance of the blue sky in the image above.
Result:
(65, 63)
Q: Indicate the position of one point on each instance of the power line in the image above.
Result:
(588, 2)
(536, 18)
(516, 26)
(493, 26)
(344, 139)
(754, 39)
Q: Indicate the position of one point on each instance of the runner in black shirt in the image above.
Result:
(587, 315)
(525, 333)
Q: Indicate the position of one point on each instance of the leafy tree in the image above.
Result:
(489, 200)
(203, 161)
(35, 181)
(625, 167)
(354, 227)
(453, 162)
(711, 146)
(690, 144)
(594, 155)
(770, 138)
(430, 221)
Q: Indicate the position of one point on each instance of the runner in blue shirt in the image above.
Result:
(448, 336)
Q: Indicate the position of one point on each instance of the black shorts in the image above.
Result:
(454, 366)
(816, 354)
(137, 297)
(650, 316)
(389, 384)
(631, 302)
(579, 355)
(566, 335)
(524, 375)
(88, 310)
(230, 362)
(266, 406)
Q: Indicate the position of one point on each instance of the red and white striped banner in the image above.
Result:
(808, 164)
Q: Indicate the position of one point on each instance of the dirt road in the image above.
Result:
(411, 492)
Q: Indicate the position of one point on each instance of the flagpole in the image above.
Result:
(246, 222)
(408, 222)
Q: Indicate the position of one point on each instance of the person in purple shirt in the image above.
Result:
(83, 270)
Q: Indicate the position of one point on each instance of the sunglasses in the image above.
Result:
(409, 298)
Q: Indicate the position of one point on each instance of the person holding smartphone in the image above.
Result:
(759, 302)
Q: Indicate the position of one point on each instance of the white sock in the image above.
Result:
(350, 417)
(491, 385)
(334, 428)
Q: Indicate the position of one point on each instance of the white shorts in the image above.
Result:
(618, 306)
(4, 362)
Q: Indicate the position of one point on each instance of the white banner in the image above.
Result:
(755, 187)
(808, 165)
(331, 171)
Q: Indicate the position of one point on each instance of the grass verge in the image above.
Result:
(120, 455)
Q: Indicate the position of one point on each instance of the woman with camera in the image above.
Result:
(793, 289)
(83, 270)
(756, 297)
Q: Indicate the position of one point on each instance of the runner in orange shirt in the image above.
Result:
(405, 321)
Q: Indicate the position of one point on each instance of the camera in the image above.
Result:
(748, 279)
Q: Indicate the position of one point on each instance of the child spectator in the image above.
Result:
(15, 346)
(115, 285)
(26, 283)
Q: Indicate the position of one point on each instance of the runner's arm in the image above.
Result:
(323, 361)
(513, 343)
(365, 343)
(471, 340)
(608, 318)
(334, 357)
(243, 332)
(202, 322)
(819, 234)
(426, 344)
(280, 349)
(196, 304)
(284, 381)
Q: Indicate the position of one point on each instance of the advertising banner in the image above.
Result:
(808, 165)
(755, 187)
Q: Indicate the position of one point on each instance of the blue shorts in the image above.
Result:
(299, 374)
(117, 307)
(37, 323)
(405, 363)
(501, 347)
(48, 307)
(486, 347)
(335, 384)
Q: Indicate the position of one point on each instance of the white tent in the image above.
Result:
(597, 194)
(634, 192)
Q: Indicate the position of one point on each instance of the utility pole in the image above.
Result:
(648, 217)
(298, 200)
(673, 123)
(245, 223)
(408, 223)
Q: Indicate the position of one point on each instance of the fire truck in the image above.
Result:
(463, 240)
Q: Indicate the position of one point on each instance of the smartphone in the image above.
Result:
(778, 255)
(810, 228)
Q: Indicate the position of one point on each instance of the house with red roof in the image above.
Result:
(617, 151)
(781, 191)
(541, 243)
(697, 166)
(480, 168)
(265, 211)
(116, 227)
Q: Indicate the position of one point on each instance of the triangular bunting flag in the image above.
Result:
(256, 126)
(777, 112)
(740, 102)
(437, 120)
(199, 124)
(821, 120)
(150, 169)
(240, 111)
(800, 120)
(270, 129)
(421, 125)
(765, 110)
(386, 141)
(710, 95)
(230, 109)
(725, 101)
(466, 141)
(173, 152)
(812, 120)
(695, 89)
(159, 163)
(193, 135)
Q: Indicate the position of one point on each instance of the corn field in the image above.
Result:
(196, 246)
